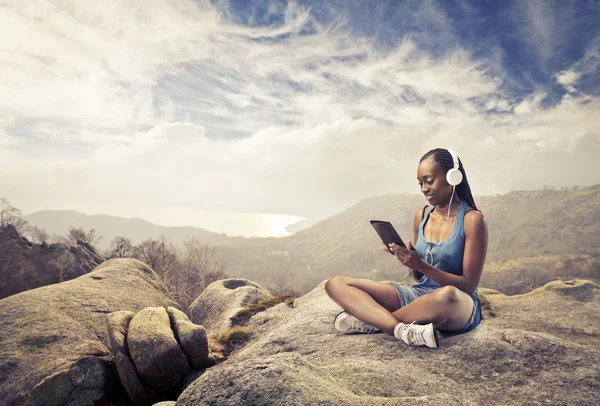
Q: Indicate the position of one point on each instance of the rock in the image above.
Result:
(136, 390)
(54, 344)
(542, 346)
(192, 339)
(221, 300)
(24, 265)
(167, 403)
(157, 356)
(118, 324)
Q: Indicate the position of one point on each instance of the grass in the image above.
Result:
(486, 306)
(244, 314)
(224, 344)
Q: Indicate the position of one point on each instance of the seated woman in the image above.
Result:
(447, 260)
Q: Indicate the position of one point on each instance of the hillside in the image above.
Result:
(520, 223)
(136, 229)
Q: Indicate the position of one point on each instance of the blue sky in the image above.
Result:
(177, 110)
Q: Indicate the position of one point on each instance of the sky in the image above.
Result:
(245, 116)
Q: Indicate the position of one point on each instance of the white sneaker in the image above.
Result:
(417, 334)
(346, 323)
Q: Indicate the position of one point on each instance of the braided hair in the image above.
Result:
(444, 158)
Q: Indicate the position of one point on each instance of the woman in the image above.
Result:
(447, 260)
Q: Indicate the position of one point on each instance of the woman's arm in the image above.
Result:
(476, 240)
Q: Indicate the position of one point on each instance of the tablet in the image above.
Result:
(387, 233)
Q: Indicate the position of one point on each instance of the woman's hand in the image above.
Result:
(408, 256)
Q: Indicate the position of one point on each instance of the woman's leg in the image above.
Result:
(376, 303)
(367, 300)
(448, 308)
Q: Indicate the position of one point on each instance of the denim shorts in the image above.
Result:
(407, 294)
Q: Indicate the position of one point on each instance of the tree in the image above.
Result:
(78, 233)
(120, 247)
(199, 269)
(185, 279)
(64, 263)
(38, 235)
(11, 215)
(160, 254)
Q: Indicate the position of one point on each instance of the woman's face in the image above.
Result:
(432, 181)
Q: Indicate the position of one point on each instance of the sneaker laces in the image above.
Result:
(362, 326)
(414, 335)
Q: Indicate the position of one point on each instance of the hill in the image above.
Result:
(136, 229)
(520, 223)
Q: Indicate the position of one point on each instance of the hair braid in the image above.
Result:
(444, 158)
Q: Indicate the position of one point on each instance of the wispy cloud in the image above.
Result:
(177, 103)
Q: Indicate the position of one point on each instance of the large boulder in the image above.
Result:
(221, 300)
(192, 338)
(154, 350)
(25, 265)
(540, 348)
(54, 344)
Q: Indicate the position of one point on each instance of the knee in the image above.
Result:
(447, 295)
(332, 282)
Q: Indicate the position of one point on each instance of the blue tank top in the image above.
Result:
(447, 255)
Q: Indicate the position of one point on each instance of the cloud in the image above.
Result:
(586, 67)
(174, 104)
(569, 79)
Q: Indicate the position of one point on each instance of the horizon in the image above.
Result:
(263, 225)
(266, 112)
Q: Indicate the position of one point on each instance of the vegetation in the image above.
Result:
(24, 265)
(79, 234)
(521, 224)
(244, 314)
(225, 343)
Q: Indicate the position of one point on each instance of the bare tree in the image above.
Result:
(78, 233)
(11, 215)
(64, 263)
(198, 270)
(38, 235)
(58, 239)
(120, 247)
(160, 254)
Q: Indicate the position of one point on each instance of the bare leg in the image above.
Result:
(377, 303)
(448, 308)
(374, 308)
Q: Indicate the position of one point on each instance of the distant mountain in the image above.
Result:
(136, 229)
(520, 223)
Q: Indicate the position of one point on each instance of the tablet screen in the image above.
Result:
(387, 233)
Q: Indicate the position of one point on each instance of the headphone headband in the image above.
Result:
(454, 157)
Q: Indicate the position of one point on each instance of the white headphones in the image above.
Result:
(454, 176)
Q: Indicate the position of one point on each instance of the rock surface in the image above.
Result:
(54, 344)
(25, 265)
(542, 347)
(221, 300)
(157, 352)
(159, 359)
(192, 338)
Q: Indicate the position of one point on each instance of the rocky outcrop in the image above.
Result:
(24, 265)
(522, 275)
(54, 344)
(221, 300)
(155, 350)
(538, 348)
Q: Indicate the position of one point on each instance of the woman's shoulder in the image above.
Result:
(473, 220)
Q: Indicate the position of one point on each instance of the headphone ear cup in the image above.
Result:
(454, 177)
